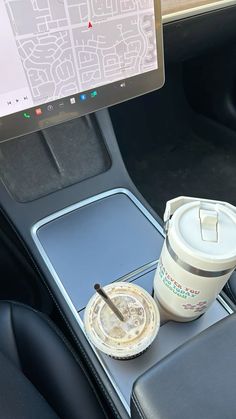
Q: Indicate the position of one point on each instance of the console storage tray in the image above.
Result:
(99, 242)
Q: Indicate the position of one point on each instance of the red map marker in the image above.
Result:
(90, 25)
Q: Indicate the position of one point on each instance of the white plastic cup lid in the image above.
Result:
(203, 233)
(114, 337)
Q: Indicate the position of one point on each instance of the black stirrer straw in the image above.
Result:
(112, 306)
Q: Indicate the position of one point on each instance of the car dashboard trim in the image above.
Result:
(194, 11)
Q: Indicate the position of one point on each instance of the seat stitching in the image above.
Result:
(74, 354)
(79, 345)
(138, 406)
(83, 352)
(70, 348)
(14, 335)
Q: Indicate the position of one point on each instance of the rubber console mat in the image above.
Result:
(46, 161)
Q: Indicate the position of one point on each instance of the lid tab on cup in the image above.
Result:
(208, 224)
(202, 232)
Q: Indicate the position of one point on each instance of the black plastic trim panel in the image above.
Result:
(193, 36)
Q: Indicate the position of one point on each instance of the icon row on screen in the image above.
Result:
(60, 105)
(17, 100)
(84, 96)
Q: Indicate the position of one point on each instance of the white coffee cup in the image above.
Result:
(122, 339)
(197, 258)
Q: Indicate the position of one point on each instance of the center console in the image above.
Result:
(106, 238)
(99, 229)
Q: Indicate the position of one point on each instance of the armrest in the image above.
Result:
(197, 380)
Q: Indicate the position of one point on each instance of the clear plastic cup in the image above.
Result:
(122, 339)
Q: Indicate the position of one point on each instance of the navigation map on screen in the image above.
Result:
(57, 48)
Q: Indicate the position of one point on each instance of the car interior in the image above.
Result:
(109, 109)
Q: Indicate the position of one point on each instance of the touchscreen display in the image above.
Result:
(64, 58)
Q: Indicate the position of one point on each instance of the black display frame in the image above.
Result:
(15, 124)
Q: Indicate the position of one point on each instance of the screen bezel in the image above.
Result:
(15, 125)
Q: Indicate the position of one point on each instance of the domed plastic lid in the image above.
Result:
(203, 233)
(122, 339)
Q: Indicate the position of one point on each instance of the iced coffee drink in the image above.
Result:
(128, 338)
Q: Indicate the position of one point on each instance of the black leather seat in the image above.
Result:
(40, 376)
(195, 381)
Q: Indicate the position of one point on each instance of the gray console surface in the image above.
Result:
(99, 242)
(107, 238)
(171, 335)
